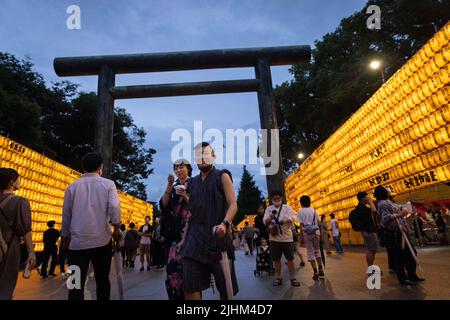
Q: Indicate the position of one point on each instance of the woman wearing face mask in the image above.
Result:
(175, 214)
(15, 222)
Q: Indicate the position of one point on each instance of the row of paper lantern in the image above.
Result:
(435, 59)
(396, 170)
(397, 173)
(348, 204)
(388, 111)
(420, 149)
(438, 118)
(415, 90)
(33, 169)
(34, 157)
(380, 134)
(403, 152)
(366, 115)
(346, 198)
(44, 186)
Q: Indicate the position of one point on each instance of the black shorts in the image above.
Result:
(279, 248)
(197, 277)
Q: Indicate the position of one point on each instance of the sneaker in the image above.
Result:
(141, 269)
(321, 274)
(52, 274)
(315, 276)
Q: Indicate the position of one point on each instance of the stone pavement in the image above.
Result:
(345, 279)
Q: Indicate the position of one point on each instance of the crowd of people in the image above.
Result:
(194, 240)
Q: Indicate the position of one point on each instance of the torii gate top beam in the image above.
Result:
(183, 60)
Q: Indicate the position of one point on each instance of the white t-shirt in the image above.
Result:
(334, 227)
(306, 216)
(286, 213)
(145, 240)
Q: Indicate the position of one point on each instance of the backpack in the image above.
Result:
(3, 244)
(355, 221)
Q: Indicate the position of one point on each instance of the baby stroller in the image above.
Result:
(263, 261)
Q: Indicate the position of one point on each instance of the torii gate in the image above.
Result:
(106, 67)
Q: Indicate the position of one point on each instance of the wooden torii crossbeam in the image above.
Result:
(106, 67)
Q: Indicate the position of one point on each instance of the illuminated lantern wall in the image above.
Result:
(399, 138)
(43, 182)
(250, 219)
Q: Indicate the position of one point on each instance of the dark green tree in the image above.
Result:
(60, 122)
(326, 92)
(249, 196)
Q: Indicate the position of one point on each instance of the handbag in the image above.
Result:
(311, 228)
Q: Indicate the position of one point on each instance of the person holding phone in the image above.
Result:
(175, 215)
(281, 217)
(15, 223)
(367, 214)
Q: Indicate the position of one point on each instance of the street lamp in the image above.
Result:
(376, 64)
(300, 155)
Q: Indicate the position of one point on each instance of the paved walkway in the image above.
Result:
(345, 279)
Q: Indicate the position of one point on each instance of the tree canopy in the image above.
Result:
(59, 121)
(249, 196)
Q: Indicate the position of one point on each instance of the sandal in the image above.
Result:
(277, 282)
(295, 283)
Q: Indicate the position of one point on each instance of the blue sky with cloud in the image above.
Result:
(38, 29)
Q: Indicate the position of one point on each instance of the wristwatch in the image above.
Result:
(226, 223)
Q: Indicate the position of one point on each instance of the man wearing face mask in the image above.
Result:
(281, 217)
(208, 247)
(91, 205)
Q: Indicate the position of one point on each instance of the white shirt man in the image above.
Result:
(286, 214)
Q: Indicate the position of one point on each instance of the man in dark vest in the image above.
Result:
(207, 247)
